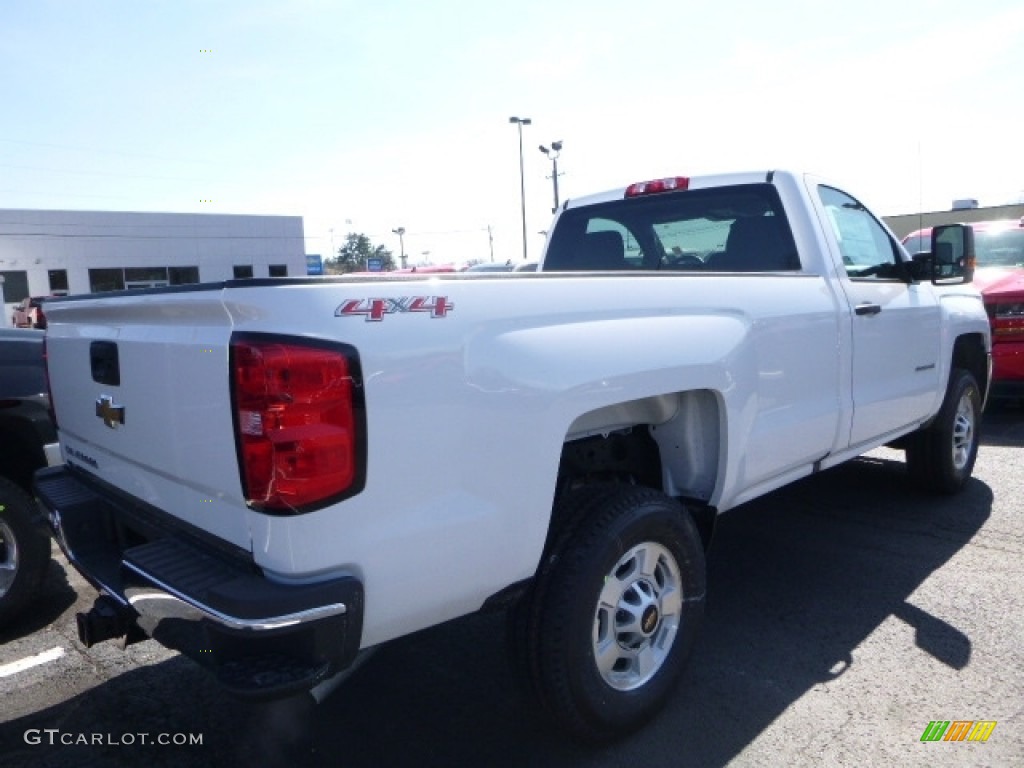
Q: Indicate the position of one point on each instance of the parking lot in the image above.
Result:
(845, 613)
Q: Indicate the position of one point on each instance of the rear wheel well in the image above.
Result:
(969, 354)
(676, 453)
(629, 455)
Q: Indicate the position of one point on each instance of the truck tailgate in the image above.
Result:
(141, 391)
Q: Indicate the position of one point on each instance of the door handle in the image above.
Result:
(867, 309)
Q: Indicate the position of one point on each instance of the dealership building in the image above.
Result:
(47, 253)
(962, 212)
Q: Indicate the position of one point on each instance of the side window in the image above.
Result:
(867, 250)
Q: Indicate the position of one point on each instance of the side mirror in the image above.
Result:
(952, 254)
(921, 266)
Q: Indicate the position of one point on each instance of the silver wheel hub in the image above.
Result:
(8, 558)
(637, 616)
(963, 431)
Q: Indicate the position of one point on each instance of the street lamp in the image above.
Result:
(520, 122)
(553, 153)
(401, 243)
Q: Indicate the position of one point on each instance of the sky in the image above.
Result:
(370, 116)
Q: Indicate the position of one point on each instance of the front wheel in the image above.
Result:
(618, 614)
(24, 550)
(941, 457)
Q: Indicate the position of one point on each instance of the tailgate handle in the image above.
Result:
(103, 359)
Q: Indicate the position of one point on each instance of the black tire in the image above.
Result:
(523, 614)
(24, 550)
(640, 550)
(940, 458)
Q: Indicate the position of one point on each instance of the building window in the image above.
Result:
(182, 275)
(149, 275)
(106, 280)
(14, 285)
(141, 277)
(278, 270)
(58, 282)
(243, 271)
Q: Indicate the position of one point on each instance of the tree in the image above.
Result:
(353, 255)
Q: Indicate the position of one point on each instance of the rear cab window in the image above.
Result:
(741, 228)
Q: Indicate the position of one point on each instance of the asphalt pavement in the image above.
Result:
(845, 614)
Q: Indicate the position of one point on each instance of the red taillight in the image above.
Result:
(670, 184)
(298, 422)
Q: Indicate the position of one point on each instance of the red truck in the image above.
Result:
(28, 313)
(999, 247)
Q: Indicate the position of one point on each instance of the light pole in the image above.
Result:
(401, 243)
(553, 153)
(520, 122)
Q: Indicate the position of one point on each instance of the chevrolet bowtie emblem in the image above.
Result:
(111, 414)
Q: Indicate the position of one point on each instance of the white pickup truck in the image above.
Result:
(276, 476)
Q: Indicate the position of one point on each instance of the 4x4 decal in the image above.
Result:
(373, 310)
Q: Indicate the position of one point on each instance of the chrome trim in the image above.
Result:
(233, 622)
(163, 591)
(53, 455)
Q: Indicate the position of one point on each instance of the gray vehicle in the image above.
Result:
(488, 266)
(28, 441)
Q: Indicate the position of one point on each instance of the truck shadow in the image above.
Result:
(797, 581)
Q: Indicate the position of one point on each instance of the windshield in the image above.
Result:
(1000, 248)
(992, 247)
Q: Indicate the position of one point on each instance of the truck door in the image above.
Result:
(895, 322)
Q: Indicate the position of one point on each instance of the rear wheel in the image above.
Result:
(615, 615)
(941, 457)
(24, 550)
